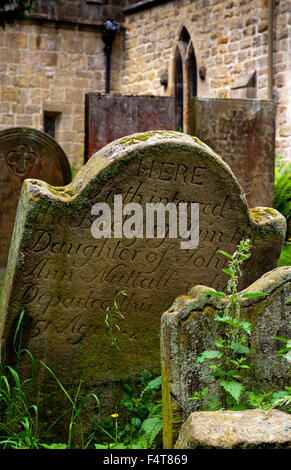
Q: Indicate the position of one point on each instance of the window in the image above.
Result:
(185, 79)
(50, 122)
(179, 92)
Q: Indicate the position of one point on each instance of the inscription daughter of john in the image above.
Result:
(65, 278)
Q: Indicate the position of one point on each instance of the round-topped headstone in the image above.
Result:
(25, 153)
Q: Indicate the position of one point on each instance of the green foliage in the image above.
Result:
(141, 407)
(285, 257)
(18, 418)
(14, 10)
(282, 189)
(143, 423)
(231, 354)
(233, 387)
(211, 403)
(269, 400)
(285, 351)
(229, 359)
(76, 405)
(232, 347)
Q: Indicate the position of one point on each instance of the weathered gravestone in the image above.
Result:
(242, 131)
(111, 116)
(25, 153)
(65, 278)
(188, 328)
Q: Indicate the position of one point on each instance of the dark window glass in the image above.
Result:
(184, 36)
(179, 93)
(49, 124)
(192, 75)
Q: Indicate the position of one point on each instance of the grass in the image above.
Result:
(285, 258)
(19, 417)
(19, 426)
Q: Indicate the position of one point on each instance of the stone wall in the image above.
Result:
(49, 62)
(282, 76)
(49, 68)
(79, 11)
(230, 40)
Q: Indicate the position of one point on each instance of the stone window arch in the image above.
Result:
(179, 91)
(184, 79)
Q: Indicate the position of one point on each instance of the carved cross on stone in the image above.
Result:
(21, 158)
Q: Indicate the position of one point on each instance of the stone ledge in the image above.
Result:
(245, 429)
(143, 5)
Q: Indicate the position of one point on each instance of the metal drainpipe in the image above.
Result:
(270, 49)
(108, 36)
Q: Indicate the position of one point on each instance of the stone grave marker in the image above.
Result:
(111, 116)
(65, 278)
(242, 131)
(188, 328)
(25, 153)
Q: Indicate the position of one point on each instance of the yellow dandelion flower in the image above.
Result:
(115, 415)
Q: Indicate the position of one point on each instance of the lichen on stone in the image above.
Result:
(198, 141)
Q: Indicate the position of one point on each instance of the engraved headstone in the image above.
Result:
(25, 153)
(65, 278)
(188, 328)
(242, 131)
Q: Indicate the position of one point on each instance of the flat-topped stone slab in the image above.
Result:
(248, 429)
(242, 131)
(65, 278)
(111, 116)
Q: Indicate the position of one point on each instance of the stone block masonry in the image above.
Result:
(49, 69)
(49, 62)
(230, 40)
(248, 429)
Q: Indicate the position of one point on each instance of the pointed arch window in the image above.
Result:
(179, 92)
(185, 79)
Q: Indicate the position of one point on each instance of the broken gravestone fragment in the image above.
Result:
(188, 328)
(65, 278)
(247, 429)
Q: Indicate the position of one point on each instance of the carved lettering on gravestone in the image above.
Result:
(65, 278)
(188, 328)
(25, 153)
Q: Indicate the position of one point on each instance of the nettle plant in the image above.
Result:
(229, 358)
